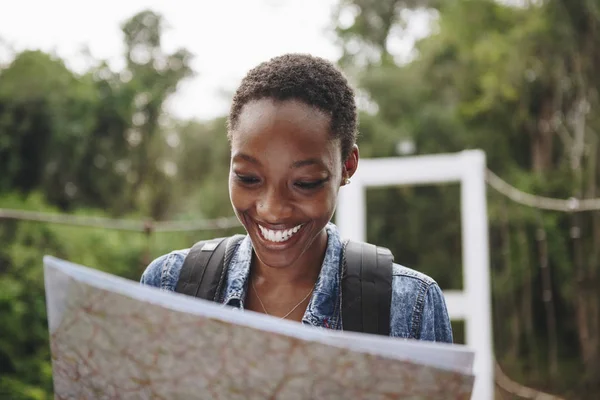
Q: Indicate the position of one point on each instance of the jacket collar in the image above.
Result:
(324, 308)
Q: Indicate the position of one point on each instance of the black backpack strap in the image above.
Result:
(203, 271)
(367, 288)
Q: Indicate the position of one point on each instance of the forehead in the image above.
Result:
(290, 126)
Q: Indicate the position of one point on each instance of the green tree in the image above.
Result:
(518, 82)
(93, 144)
(96, 139)
(155, 75)
(45, 111)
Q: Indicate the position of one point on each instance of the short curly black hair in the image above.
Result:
(312, 80)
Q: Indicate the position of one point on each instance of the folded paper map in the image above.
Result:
(112, 338)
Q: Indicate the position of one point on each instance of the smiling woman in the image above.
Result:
(292, 129)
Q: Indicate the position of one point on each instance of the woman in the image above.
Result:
(292, 129)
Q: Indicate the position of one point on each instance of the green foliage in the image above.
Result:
(92, 140)
(42, 113)
(24, 342)
(517, 82)
(511, 81)
(93, 144)
(203, 160)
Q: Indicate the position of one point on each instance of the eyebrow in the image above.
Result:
(296, 164)
(246, 157)
(308, 161)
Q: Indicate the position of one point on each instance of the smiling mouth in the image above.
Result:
(279, 235)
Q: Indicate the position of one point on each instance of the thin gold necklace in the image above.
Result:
(286, 315)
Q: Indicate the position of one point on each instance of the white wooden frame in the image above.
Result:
(473, 303)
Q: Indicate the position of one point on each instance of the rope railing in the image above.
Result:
(504, 188)
(540, 202)
(121, 224)
(516, 389)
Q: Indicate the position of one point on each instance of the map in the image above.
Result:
(112, 338)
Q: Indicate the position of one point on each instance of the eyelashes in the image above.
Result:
(249, 180)
(311, 185)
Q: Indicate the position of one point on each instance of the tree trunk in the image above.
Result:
(527, 298)
(541, 156)
(548, 298)
(581, 304)
(586, 297)
(542, 139)
(513, 311)
(586, 281)
(594, 260)
(593, 360)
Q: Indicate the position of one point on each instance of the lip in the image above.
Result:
(274, 245)
(274, 227)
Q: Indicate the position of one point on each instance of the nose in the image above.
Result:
(274, 206)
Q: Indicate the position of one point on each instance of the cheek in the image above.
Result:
(321, 206)
(239, 201)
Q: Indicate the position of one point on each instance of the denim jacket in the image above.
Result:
(418, 309)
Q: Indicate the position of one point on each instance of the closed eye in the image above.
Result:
(247, 179)
(311, 185)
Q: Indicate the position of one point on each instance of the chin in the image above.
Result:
(277, 262)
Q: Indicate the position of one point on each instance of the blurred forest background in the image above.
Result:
(519, 81)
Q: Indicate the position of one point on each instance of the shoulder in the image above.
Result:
(409, 288)
(163, 272)
(405, 274)
(418, 307)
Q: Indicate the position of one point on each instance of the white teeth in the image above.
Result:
(278, 236)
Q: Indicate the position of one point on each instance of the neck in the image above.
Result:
(304, 271)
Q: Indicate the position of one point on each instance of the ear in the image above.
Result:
(350, 165)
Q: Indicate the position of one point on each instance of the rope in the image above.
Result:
(543, 203)
(516, 389)
(121, 224)
(540, 202)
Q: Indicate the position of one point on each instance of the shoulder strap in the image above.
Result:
(203, 269)
(367, 288)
